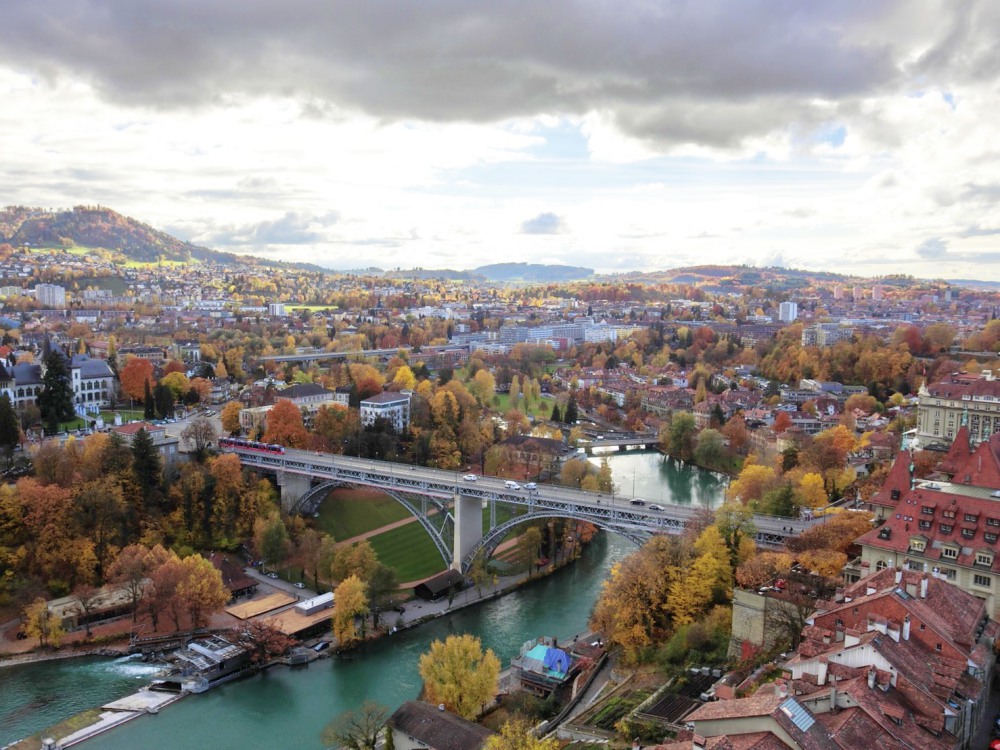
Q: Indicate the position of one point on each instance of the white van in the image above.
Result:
(511, 485)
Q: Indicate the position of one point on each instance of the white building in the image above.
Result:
(276, 309)
(50, 295)
(394, 407)
(788, 311)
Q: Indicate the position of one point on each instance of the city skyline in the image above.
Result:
(850, 138)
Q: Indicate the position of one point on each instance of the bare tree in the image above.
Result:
(202, 433)
(357, 730)
(88, 600)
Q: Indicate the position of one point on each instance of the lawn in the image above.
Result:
(409, 550)
(539, 408)
(349, 512)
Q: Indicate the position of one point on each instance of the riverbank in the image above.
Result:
(126, 710)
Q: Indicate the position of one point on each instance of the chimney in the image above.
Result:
(906, 628)
(899, 576)
(923, 587)
(893, 631)
(821, 672)
(833, 693)
(871, 678)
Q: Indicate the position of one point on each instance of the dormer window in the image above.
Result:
(971, 518)
(950, 553)
(927, 510)
(949, 514)
(917, 544)
(968, 533)
(984, 558)
(947, 528)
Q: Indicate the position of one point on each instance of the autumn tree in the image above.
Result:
(88, 600)
(349, 600)
(137, 378)
(130, 570)
(271, 539)
(200, 590)
(230, 417)
(357, 559)
(754, 480)
(178, 384)
(763, 568)
(459, 674)
(161, 593)
(517, 734)
(284, 426)
(682, 431)
(262, 640)
(40, 623)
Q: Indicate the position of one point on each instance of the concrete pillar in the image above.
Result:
(293, 487)
(468, 527)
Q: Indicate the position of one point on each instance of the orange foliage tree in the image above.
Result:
(134, 377)
(284, 426)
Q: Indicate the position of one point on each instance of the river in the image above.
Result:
(282, 708)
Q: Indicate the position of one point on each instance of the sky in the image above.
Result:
(636, 135)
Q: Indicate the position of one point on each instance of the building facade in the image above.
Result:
(960, 398)
(394, 407)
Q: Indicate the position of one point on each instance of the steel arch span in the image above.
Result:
(491, 540)
(418, 506)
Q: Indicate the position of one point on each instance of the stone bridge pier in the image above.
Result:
(293, 487)
(468, 527)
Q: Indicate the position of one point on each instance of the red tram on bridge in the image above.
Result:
(252, 445)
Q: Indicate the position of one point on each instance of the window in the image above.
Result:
(983, 581)
(971, 518)
(949, 514)
(993, 521)
(990, 537)
(948, 573)
(949, 552)
(925, 525)
(946, 528)
(984, 558)
(968, 533)
(937, 647)
(917, 545)
(927, 510)
(880, 565)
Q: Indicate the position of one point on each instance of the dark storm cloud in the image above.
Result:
(545, 223)
(671, 72)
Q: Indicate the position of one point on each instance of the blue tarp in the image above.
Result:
(557, 660)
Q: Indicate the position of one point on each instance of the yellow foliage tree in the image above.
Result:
(516, 734)
(754, 480)
(459, 674)
(812, 493)
(350, 599)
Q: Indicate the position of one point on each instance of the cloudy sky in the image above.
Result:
(853, 136)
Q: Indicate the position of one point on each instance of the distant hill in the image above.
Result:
(95, 226)
(535, 273)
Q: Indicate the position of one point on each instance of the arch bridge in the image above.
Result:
(451, 509)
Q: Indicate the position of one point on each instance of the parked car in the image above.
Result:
(272, 575)
(656, 506)
(321, 646)
(637, 501)
(470, 478)
(300, 585)
(511, 485)
(531, 486)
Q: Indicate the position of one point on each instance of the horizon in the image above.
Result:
(633, 139)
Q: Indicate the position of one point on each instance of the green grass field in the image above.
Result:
(409, 550)
(349, 512)
(539, 408)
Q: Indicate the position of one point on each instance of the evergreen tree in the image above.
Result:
(556, 416)
(146, 466)
(55, 402)
(10, 427)
(149, 408)
(113, 355)
(570, 415)
(163, 397)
